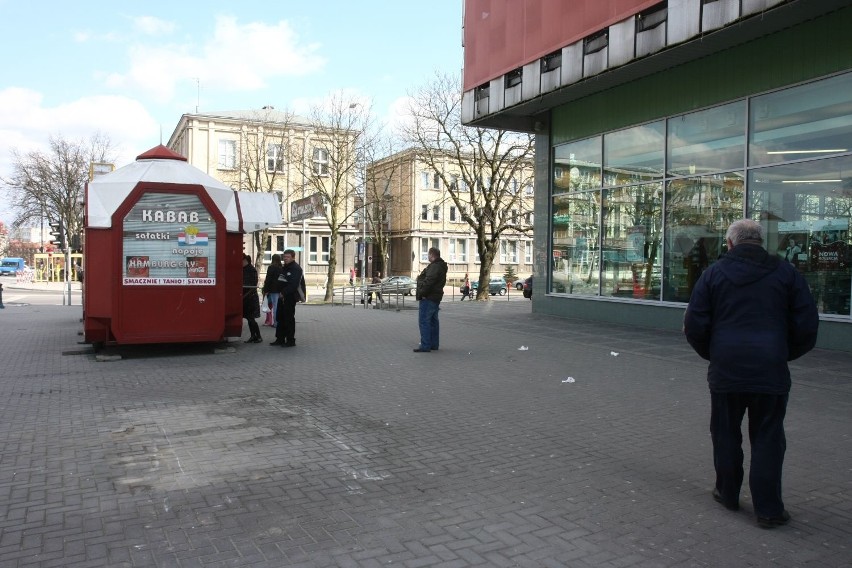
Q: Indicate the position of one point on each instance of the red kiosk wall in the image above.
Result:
(99, 285)
(234, 285)
(149, 308)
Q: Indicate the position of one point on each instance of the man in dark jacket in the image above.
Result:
(290, 282)
(430, 292)
(749, 314)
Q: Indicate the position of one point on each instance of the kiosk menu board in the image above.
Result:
(169, 240)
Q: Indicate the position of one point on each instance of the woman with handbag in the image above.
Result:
(251, 306)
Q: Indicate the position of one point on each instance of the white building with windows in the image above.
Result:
(421, 214)
(270, 151)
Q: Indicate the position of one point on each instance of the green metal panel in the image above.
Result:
(807, 51)
(835, 335)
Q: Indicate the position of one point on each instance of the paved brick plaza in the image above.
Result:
(350, 450)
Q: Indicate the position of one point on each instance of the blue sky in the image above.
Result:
(130, 69)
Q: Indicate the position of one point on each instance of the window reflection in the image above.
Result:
(809, 121)
(632, 221)
(699, 211)
(634, 155)
(577, 166)
(576, 219)
(710, 140)
(806, 210)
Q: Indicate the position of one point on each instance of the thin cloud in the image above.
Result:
(238, 57)
(153, 26)
(28, 124)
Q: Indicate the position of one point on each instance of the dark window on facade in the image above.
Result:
(596, 42)
(651, 18)
(514, 77)
(481, 92)
(551, 61)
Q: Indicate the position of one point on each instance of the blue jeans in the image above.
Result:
(429, 327)
(273, 297)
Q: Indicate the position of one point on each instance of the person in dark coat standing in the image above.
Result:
(749, 314)
(251, 302)
(290, 283)
(430, 292)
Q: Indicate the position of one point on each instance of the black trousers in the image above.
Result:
(286, 330)
(254, 329)
(768, 444)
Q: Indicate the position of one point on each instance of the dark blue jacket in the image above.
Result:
(289, 282)
(749, 314)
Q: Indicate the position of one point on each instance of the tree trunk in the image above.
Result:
(486, 258)
(332, 266)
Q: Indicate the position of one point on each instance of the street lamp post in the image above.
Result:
(363, 251)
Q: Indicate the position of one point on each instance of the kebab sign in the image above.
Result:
(169, 240)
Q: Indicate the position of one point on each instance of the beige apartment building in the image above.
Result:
(269, 150)
(419, 213)
(273, 151)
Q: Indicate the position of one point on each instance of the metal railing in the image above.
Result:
(393, 296)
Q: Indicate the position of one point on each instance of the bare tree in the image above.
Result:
(50, 184)
(332, 164)
(484, 170)
(261, 162)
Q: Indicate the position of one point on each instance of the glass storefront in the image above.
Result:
(806, 209)
(641, 212)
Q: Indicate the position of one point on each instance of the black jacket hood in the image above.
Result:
(747, 263)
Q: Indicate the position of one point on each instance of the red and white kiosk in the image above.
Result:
(164, 246)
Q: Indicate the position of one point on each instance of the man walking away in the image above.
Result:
(430, 292)
(290, 282)
(749, 314)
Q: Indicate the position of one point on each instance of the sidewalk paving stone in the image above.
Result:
(350, 450)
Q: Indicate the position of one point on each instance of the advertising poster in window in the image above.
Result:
(815, 245)
(169, 240)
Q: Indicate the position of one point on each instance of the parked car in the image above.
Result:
(497, 285)
(518, 284)
(399, 285)
(528, 288)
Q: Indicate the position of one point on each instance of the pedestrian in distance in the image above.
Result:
(270, 286)
(465, 288)
(430, 292)
(251, 303)
(749, 314)
(377, 279)
(291, 290)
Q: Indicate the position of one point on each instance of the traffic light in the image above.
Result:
(57, 232)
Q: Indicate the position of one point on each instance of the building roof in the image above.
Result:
(266, 114)
(243, 211)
